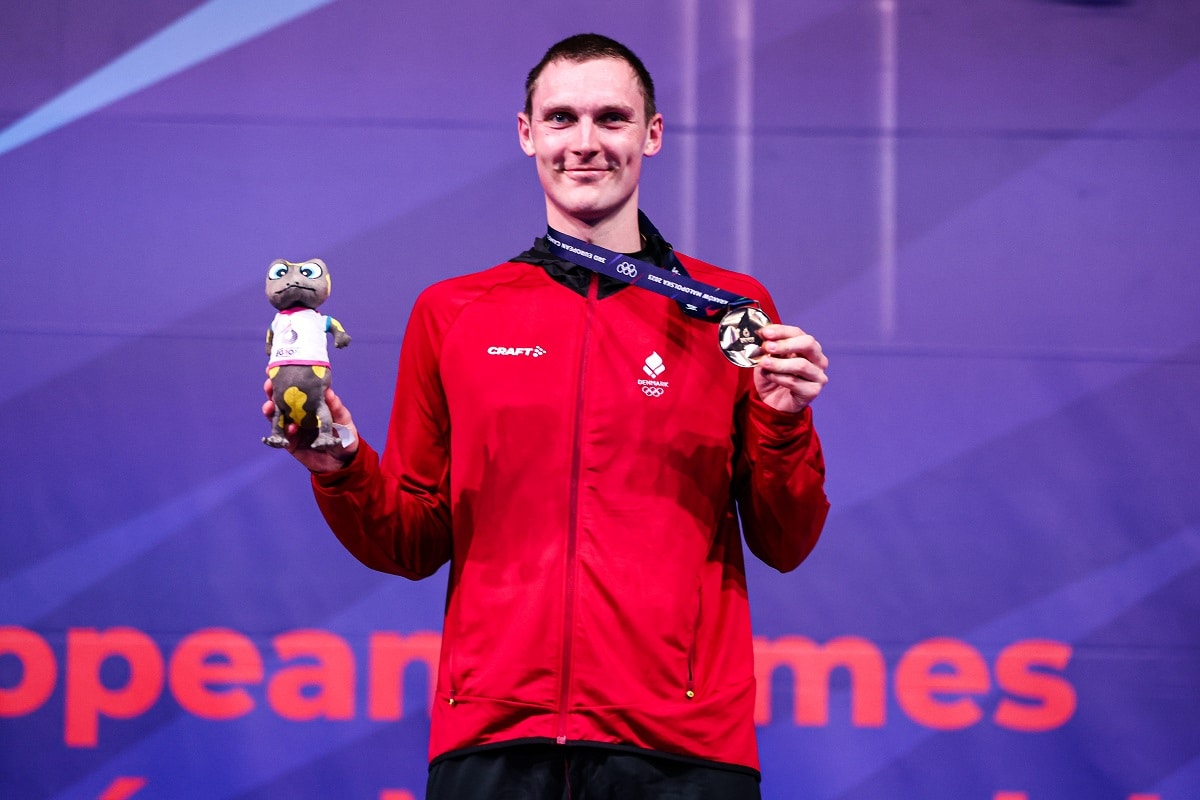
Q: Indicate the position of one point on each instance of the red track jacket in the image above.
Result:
(582, 463)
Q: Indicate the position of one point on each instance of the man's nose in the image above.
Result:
(585, 136)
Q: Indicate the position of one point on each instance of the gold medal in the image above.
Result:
(738, 335)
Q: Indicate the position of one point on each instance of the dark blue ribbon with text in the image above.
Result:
(695, 298)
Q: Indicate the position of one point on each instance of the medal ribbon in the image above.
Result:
(695, 298)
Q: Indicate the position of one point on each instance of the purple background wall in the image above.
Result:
(986, 211)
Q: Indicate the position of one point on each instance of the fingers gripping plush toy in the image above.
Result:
(298, 362)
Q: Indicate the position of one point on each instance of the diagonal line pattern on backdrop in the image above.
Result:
(42, 587)
(1183, 782)
(1070, 614)
(205, 31)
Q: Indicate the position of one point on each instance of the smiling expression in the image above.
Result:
(588, 133)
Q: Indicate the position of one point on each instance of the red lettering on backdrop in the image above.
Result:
(1023, 796)
(1054, 699)
(39, 671)
(88, 698)
(390, 654)
(917, 683)
(330, 680)
(811, 665)
(215, 657)
(209, 668)
(123, 788)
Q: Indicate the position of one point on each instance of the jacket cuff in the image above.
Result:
(351, 478)
(780, 428)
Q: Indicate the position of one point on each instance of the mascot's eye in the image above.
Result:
(311, 270)
(277, 271)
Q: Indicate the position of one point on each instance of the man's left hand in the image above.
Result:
(792, 373)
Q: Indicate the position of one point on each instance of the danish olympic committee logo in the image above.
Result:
(654, 367)
(627, 269)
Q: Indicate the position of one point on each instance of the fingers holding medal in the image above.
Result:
(747, 336)
(791, 364)
(794, 358)
(788, 341)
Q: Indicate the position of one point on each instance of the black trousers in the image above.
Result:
(579, 772)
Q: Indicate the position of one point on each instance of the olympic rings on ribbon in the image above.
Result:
(652, 391)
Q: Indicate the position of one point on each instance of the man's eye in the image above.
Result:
(559, 118)
(614, 121)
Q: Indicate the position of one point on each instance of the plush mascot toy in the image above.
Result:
(298, 362)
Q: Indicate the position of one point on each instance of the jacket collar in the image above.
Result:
(657, 251)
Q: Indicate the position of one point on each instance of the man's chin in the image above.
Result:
(589, 206)
(590, 214)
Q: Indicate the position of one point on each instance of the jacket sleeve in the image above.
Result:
(393, 513)
(779, 477)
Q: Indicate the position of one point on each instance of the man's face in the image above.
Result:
(588, 132)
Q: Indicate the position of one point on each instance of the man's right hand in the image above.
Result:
(329, 459)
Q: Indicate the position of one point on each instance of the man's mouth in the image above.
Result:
(586, 174)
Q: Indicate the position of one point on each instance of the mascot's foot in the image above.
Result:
(275, 440)
(325, 440)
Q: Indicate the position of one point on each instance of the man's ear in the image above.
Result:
(525, 133)
(654, 135)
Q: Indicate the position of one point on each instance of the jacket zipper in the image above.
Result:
(451, 665)
(691, 660)
(573, 519)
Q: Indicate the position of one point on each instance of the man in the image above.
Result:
(580, 451)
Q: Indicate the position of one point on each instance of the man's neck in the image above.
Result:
(618, 233)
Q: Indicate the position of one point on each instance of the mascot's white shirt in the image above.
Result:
(298, 337)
